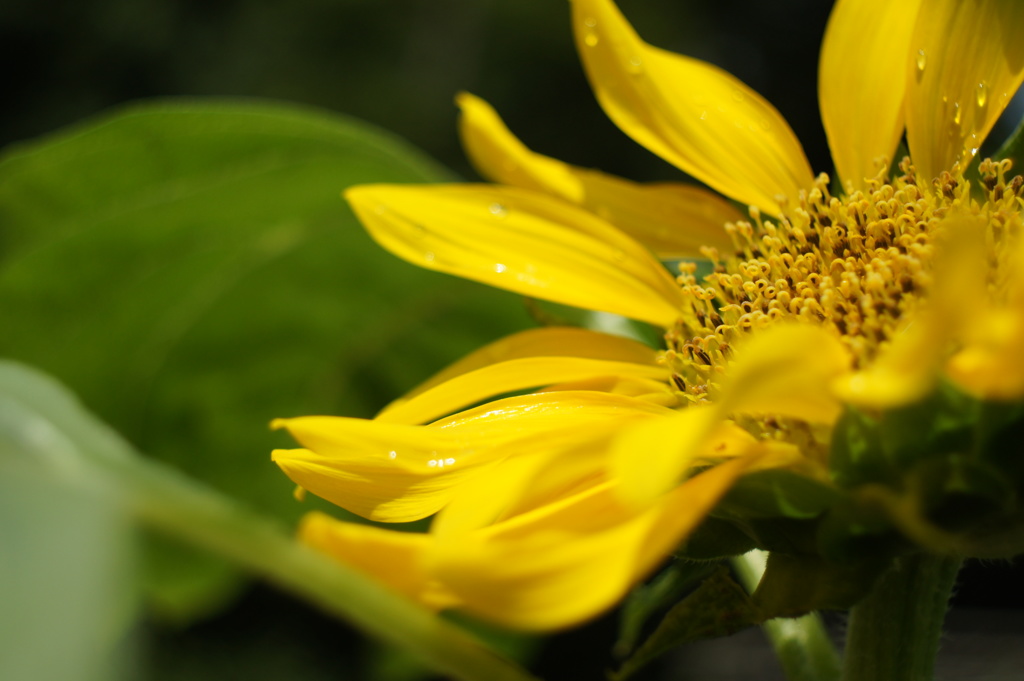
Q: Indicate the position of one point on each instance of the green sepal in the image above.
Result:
(658, 595)
(792, 586)
(852, 531)
(1013, 147)
(942, 423)
(716, 538)
(999, 435)
(795, 585)
(869, 448)
(855, 457)
(778, 493)
(957, 493)
(718, 607)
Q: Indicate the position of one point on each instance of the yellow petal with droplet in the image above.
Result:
(552, 341)
(673, 220)
(690, 113)
(530, 481)
(966, 62)
(507, 377)
(400, 473)
(566, 562)
(860, 96)
(522, 241)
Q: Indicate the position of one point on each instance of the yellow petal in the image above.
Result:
(651, 457)
(394, 558)
(522, 241)
(784, 370)
(507, 377)
(655, 391)
(566, 562)
(552, 341)
(787, 370)
(861, 97)
(967, 61)
(673, 220)
(690, 113)
(399, 473)
(992, 367)
(991, 364)
(528, 482)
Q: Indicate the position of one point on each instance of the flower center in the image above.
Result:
(856, 265)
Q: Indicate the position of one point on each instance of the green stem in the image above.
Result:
(893, 634)
(801, 644)
(182, 508)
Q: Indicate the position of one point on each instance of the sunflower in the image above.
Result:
(860, 295)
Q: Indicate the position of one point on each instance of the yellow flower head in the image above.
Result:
(864, 292)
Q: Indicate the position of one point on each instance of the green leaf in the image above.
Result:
(190, 270)
(47, 436)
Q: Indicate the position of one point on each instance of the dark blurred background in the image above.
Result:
(398, 64)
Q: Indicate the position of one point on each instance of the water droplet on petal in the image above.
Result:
(432, 463)
(499, 268)
(981, 94)
(429, 256)
(738, 95)
(590, 22)
(920, 60)
(449, 461)
(498, 210)
(392, 455)
(590, 39)
(635, 65)
(957, 114)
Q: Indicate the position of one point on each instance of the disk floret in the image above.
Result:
(856, 264)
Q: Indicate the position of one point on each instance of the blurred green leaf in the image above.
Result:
(65, 581)
(66, 559)
(191, 271)
(90, 480)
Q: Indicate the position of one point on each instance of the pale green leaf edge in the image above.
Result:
(333, 123)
